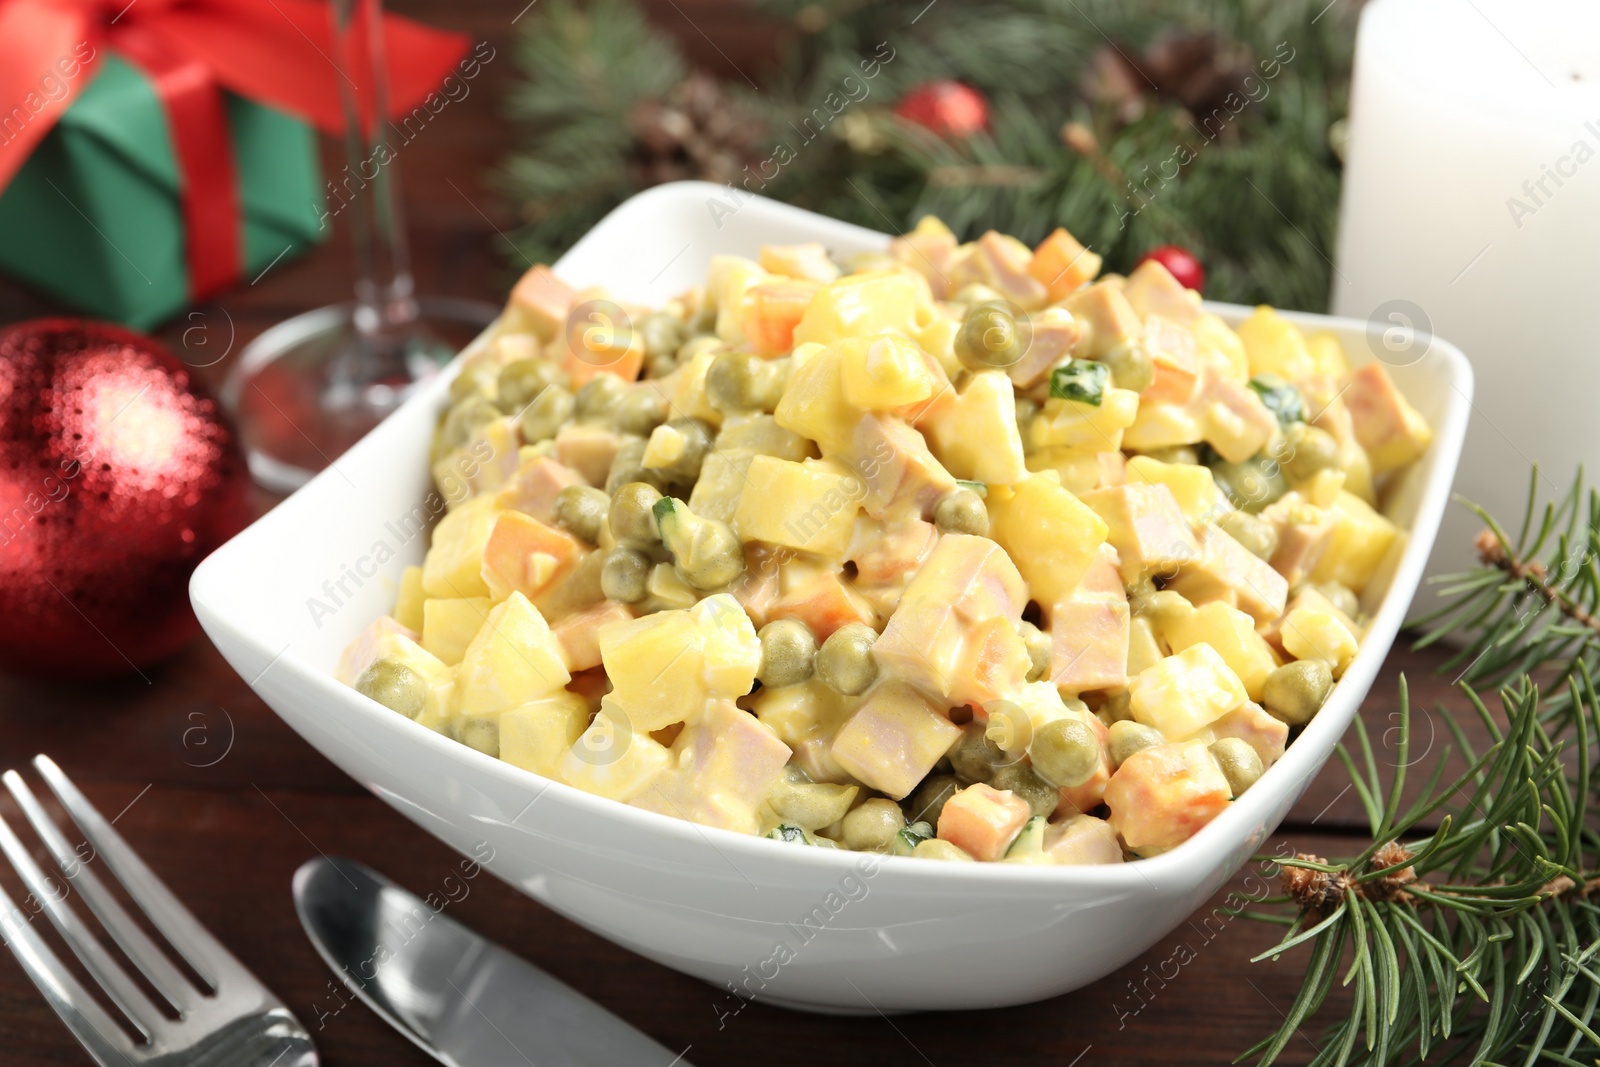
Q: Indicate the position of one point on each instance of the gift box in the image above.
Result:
(95, 218)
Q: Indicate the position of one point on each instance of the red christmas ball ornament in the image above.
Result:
(947, 107)
(1181, 263)
(119, 473)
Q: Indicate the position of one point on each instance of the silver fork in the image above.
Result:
(237, 1023)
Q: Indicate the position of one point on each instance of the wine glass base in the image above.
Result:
(310, 387)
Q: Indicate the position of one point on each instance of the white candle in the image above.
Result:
(1472, 207)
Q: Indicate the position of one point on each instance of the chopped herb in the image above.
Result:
(909, 837)
(1082, 380)
(1281, 398)
(790, 833)
(981, 488)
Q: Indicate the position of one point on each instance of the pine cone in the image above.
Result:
(1314, 890)
(1195, 70)
(695, 131)
(1391, 886)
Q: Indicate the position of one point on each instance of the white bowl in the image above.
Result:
(810, 928)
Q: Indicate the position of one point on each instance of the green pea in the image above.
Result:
(928, 801)
(1117, 707)
(582, 509)
(1296, 691)
(625, 576)
(395, 686)
(524, 379)
(481, 734)
(1026, 782)
(738, 382)
(1340, 596)
(1066, 751)
(974, 757)
(871, 827)
(938, 849)
(844, 662)
(1251, 485)
(1039, 647)
(989, 337)
(1241, 764)
(788, 653)
(1308, 450)
(640, 410)
(545, 414)
(663, 334)
(464, 421)
(1131, 366)
(632, 522)
(1128, 737)
(659, 366)
(705, 342)
(1258, 536)
(961, 511)
(1027, 408)
(713, 557)
(599, 396)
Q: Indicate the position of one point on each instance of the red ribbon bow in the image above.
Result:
(277, 52)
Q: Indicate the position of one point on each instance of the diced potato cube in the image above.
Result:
(454, 564)
(1328, 354)
(1388, 427)
(983, 820)
(588, 448)
(1050, 534)
(1192, 485)
(536, 735)
(1074, 424)
(408, 604)
(808, 261)
(1233, 635)
(1078, 469)
(1275, 346)
(1225, 570)
(657, 668)
(976, 437)
(1062, 265)
(448, 626)
(482, 465)
(732, 650)
(511, 660)
(1146, 526)
(1251, 724)
(1360, 539)
(1235, 421)
(1082, 840)
(1185, 691)
(1312, 634)
(1162, 426)
(721, 768)
(884, 373)
(728, 278)
(689, 398)
(613, 758)
(1161, 796)
(813, 403)
(810, 507)
(1220, 347)
(894, 739)
(860, 305)
(1152, 290)
(524, 555)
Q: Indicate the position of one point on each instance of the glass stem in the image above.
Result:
(386, 307)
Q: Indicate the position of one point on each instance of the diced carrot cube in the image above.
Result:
(1062, 265)
(983, 820)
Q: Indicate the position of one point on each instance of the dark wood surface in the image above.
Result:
(224, 801)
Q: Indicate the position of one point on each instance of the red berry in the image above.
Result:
(945, 106)
(1181, 263)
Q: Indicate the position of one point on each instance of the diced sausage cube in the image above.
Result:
(894, 739)
(1146, 526)
(1226, 570)
(534, 486)
(1388, 427)
(721, 767)
(1082, 840)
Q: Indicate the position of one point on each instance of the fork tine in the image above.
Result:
(133, 941)
(194, 943)
(127, 996)
(89, 1023)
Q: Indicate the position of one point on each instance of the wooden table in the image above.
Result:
(225, 802)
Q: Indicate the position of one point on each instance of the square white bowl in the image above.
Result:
(810, 928)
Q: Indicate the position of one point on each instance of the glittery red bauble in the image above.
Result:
(1181, 263)
(948, 108)
(118, 474)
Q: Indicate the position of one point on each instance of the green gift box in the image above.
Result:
(94, 218)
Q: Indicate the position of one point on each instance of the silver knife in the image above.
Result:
(461, 998)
